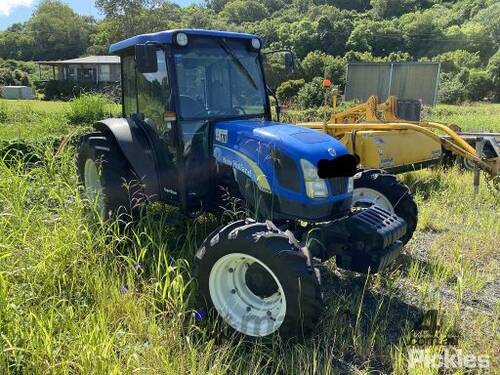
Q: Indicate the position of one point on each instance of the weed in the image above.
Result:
(88, 108)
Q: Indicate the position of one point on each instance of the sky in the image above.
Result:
(12, 11)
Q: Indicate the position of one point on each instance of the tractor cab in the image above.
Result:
(178, 84)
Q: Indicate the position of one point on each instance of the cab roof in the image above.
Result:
(165, 37)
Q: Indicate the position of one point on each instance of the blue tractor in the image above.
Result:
(197, 127)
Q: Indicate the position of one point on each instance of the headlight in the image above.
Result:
(256, 43)
(350, 185)
(315, 186)
(181, 39)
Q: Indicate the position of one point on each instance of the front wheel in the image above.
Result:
(258, 280)
(376, 188)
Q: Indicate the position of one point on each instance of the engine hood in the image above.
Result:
(250, 136)
(270, 153)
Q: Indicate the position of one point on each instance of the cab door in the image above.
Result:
(155, 111)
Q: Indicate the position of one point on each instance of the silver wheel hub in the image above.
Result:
(366, 197)
(247, 295)
(93, 186)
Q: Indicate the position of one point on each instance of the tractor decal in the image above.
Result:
(242, 163)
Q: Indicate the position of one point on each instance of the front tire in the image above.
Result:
(377, 188)
(107, 177)
(258, 280)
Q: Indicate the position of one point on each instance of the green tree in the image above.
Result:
(452, 87)
(423, 33)
(473, 37)
(395, 8)
(333, 28)
(379, 37)
(359, 5)
(216, 5)
(453, 61)
(479, 85)
(126, 18)
(314, 64)
(240, 11)
(17, 43)
(58, 32)
(312, 94)
(301, 36)
(493, 69)
(288, 90)
(319, 64)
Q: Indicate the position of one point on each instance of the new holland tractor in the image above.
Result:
(197, 124)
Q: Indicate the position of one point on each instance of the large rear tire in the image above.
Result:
(107, 177)
(258, 280)
(376, 187)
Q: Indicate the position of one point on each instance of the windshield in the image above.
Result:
(219, 78)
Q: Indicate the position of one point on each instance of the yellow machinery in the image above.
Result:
(382, 140)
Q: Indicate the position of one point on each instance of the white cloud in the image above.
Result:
(6, 6)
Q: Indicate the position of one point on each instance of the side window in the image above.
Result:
(154, 95)
(129, 86)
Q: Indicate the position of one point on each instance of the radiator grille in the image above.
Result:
(339, 185)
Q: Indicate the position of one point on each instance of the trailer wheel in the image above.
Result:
(375, 187)
(258, 280)
(107, 178)
(467, 165)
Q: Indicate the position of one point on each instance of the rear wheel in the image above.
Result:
(258, 280)
(377, 188)
(107, 177)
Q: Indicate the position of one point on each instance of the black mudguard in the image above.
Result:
(137, 149)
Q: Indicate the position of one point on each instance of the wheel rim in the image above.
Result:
(468, 165)
(366, 197)
(93, 186)
(236, 302)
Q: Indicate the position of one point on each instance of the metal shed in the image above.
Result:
(406, 80)
(17, 92)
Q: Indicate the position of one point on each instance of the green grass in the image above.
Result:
(33, 119)
(79, 296)
(476, 116)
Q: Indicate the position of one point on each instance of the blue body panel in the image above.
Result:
(246, 145)
(165, 37)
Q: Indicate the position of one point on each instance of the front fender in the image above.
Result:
(136, 148)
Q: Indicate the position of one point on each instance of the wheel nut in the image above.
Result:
(231, 270)
(233, 291)
(249, 309)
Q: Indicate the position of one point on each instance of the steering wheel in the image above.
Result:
(240, 109)
(191, 107)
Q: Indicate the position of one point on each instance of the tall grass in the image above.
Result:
(89, 108)
(81, 296)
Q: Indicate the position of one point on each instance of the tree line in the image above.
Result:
(463, 35)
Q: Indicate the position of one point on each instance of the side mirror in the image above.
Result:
(145, 58)
(289, 62)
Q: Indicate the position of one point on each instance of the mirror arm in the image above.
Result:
(277, 106)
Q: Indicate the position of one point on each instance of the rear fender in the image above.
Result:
(137, 149)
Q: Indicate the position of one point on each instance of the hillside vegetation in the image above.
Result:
(80, 296)
(463, 35)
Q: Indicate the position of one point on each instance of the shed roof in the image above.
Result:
(85, 60)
